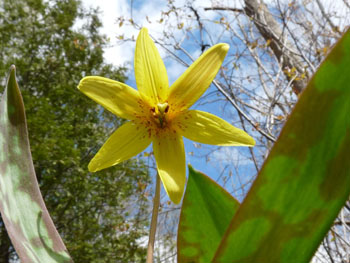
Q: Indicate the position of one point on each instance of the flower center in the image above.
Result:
(160, 113)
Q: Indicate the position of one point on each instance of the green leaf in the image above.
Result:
(206, 212)
(26, 218)
(306, 179)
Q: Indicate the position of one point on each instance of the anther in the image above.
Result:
(166, 109)
(153, 110)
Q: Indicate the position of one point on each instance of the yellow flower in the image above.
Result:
(160, 115)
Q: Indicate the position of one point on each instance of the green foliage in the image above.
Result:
(304, 182)
(99, 216)
(206, 212)
(35, 238)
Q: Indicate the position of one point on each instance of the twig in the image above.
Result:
(227, 96)
(323, 12)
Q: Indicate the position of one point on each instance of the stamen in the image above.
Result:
(153, 110)
(166, 109)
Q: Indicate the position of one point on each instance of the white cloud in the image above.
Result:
(110, 11)
(230, 155)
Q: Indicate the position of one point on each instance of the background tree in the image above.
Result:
(100, 216)
(276, 46)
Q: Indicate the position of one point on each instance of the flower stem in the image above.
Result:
(152, 233)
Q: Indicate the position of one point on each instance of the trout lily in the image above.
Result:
(160, 115)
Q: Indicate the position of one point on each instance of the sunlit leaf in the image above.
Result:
(206, 212)
(305, 180)
(26, 218)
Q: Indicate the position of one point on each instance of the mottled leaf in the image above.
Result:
(206, 212)
(305, 180)
(26, 218)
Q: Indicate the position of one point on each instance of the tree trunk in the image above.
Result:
(270, 30)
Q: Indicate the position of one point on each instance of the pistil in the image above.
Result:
(163, 108)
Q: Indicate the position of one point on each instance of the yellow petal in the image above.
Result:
(118, 98)
(170, 157)
(126, 142)
(150, 73)
(187, 89)
(207, 128)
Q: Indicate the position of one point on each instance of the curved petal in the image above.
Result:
(171, 164)
(207, 128)
(187, 89)
(150, 73)
(127, 141)
(118, 98)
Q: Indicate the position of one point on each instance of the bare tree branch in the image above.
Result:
(270, 29)
(224, 9)
(326, 16)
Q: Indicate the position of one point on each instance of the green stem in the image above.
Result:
(152, 232)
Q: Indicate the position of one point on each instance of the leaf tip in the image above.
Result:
(190, 168)
(12, 74)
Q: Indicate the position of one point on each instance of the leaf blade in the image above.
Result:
(206, 212)
(26, 218)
